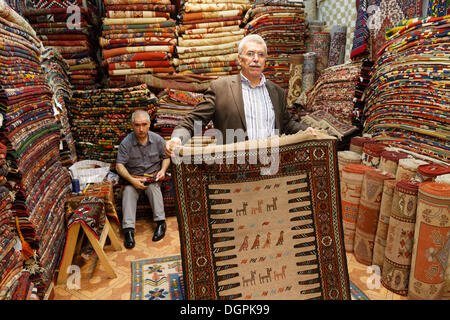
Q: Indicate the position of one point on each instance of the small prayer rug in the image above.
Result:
(257, 225)
(157, 279)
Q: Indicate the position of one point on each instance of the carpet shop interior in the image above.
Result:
(372, 76)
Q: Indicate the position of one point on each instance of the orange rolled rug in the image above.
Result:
(369, 209)
(352, 178)
(431, 243)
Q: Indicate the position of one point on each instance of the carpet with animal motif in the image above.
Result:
(261, 219)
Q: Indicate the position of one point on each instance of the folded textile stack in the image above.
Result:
(281, 23)
(173, 106)
(138, 37)
(335, 90)
(57, 72)
(17, 5)
(408, 100)
(72, 29)
(31, 133)
(100, 119)
(438, 8)
(374, 17)
(322, 119)
(209, 35)
(11, 270)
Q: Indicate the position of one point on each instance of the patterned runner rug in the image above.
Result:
(157, 279)
(266, 229)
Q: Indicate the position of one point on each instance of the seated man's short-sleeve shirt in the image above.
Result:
(142, 159)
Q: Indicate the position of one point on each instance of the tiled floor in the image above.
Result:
(95, 285)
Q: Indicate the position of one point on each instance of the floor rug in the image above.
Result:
(157, 279)
(253, 230)
(357, 293)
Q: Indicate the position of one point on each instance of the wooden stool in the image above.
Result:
(72, 237)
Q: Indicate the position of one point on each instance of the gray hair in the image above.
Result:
(141, 113)
(251, 38)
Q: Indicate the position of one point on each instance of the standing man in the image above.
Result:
(246, 101)
(141, 154)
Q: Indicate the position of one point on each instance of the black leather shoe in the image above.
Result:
(129, 239)
(160, 231)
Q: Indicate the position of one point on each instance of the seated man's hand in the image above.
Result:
(160, 175)
(138, 183)
(171, 145)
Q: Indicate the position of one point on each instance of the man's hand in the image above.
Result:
(312, 131)
(171, 146)
(138, 183)
(160, 175)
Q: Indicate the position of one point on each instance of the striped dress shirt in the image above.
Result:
(259, 113)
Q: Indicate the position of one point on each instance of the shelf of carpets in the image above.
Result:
(138, 40)
(407, 97)
(72, 29)
(386, 194)
(100, 119)
(14, 280)
(38, 182)
(57, 71)
(281, 23)
(208, 37)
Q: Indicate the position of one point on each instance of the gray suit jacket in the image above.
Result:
(224, 105)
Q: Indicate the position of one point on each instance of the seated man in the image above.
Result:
(141, 154)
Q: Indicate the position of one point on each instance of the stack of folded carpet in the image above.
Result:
(374, 17)
(14, 284)
(57, 72)
(138, 38)
(100, 119)
(31, 133)
(173, 106)
(73, 32)
(408, 99)
(209, 35)
(17, 5)
(335, 91)
(282, 25)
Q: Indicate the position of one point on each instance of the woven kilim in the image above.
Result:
(157, 279)
(251, 233)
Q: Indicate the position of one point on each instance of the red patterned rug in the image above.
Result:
(247, 235)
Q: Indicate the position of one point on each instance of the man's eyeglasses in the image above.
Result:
(251, 54)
